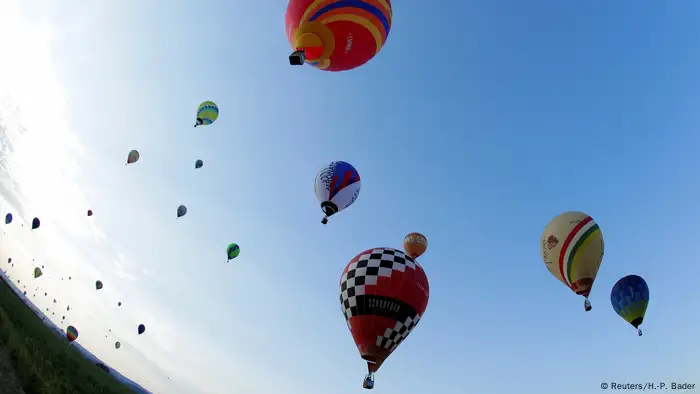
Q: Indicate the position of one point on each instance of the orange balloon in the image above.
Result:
(415, 244)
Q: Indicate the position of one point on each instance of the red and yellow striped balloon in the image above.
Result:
(338, 35)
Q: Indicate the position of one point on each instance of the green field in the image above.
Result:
(43, 362)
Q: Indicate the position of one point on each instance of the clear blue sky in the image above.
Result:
(477, 123)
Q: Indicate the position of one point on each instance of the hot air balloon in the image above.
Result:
(133, 157)
(207, 113)
(8, 218)
(119, 303)
(198, 164)
(9, 260)
(337, 186)
(572, 250)
(337, 35)
(117, 345)
(232, 252)
(89, 213)
(181, 211)
(142, 329)
(630, 298)
(36, 223)
(37, 272)
(98, 285)
(71, 333)
(415, 244)
(383, 295)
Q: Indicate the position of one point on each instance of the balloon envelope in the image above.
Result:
(337, 186)
(321, 30)
(630, 298)
(89, 213)
(36, 223)
(181, 211)
(133, 157)
(71, 333)
(8, 218)
(415, 244)
(198, 164)
(37, 272)
(141, 329)
(117, 345)
(207, 113)
(233, 251)
(383, 295)
(98, 285)
(572, 249)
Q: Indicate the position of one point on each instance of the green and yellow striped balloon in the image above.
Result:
(207, 113)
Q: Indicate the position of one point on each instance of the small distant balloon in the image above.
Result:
(119, 303)
(37, 272)
(142, 329)
(9, 260)
(198, 164)
(117, 345)
(233, 251)
(8, 218)
(415, 244)
(337, 186)
(133, 157)
(207, 113)
(98, 285)
(36, 223)
(181, 211)
(89, 213)
(71, 333)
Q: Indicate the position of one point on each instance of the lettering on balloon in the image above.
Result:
(348, 43)
(545, 252)
(422, 288)
(326, 175)
(383, 304)
(417, 239)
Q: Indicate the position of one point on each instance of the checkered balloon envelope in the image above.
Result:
(383, 294)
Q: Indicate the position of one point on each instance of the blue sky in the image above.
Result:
(477, 123)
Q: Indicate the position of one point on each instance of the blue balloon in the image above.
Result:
(630, 298)
(8, 218)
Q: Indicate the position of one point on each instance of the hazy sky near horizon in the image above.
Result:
(510, 113)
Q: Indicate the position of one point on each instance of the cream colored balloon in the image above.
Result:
(572, 249)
